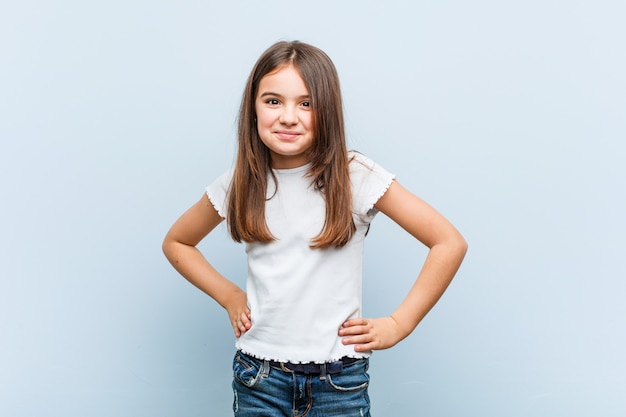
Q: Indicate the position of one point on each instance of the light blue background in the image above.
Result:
(509, 117)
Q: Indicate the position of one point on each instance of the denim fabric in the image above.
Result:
(262, 390)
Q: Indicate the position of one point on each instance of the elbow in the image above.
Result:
(460, 247)
(463, 245)
(460, 244)
(167, 246)
(164, 246)
(170, 250)
(455, 246)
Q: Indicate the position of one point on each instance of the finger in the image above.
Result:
(365, 347)
(245, 320)
(238, 327)
(357, 339)
(355, 322)
(241, 326)
(355, 326)
(354, 330)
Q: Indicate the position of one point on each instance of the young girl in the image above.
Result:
(303, 203)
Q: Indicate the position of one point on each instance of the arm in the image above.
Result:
(179, 247)
(446, 251)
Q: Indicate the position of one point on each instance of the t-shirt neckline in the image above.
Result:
(292, 170)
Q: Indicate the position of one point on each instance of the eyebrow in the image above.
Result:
(270, 93)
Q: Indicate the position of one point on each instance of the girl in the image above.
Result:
(303, 204)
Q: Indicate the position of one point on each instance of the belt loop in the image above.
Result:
(265, 369)
(323, 372)
(284, 368)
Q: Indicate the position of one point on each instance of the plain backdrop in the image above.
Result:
(508, 117)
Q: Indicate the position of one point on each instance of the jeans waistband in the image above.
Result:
(315, 368)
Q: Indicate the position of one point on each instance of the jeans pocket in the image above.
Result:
(352, 378)
(247, 370)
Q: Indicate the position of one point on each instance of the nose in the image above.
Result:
(289, 116)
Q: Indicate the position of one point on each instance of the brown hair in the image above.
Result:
(328, 155)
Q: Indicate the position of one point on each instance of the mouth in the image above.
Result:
(287, 135)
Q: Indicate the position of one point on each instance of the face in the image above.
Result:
(284, 117)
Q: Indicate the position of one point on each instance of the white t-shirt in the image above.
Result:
(298, 296)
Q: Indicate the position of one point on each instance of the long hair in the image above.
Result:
(328, 155)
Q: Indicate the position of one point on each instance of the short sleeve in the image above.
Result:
(217, 192)
(369, 183)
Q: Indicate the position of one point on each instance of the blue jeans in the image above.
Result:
(264, 390)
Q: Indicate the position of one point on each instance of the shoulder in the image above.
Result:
(362, 166)
(223, 180)
(217, 191)
(357, 160)
(369, 181)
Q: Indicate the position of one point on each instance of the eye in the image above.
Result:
(306, 104)
(272, 101)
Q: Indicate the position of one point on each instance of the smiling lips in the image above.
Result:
(286, 134)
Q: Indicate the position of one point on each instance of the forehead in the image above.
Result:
(286, 76)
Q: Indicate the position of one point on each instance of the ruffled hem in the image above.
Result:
(369, 182)
(381, 193)
(276, 359)
(215, 205)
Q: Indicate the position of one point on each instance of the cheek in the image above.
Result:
(263, 119)
(309, 123)
(263, 126)
(306, 118)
